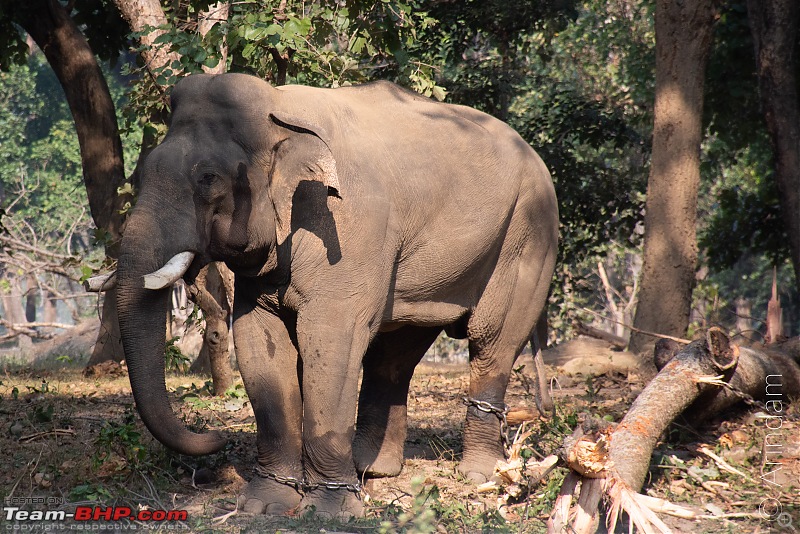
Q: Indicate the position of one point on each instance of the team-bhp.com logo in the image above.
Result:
(93, 514)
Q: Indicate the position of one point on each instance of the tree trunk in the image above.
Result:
(74, 63)
(141, 14)
(744, 319)
(690, 381)
(774, 25)
(31, 292)
(210, 293)
(49, 307)
(683, 38)
(205, 21)
(15, 312)
(108, 346)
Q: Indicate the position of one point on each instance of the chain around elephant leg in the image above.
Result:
(264, 495)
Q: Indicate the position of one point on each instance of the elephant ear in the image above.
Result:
(324, 161)
(302, 177)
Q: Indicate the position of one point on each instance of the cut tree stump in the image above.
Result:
(694, 380)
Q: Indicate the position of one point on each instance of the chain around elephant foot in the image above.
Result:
(340, 503)
(267, 495)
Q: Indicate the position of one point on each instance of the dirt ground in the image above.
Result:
(69, 441)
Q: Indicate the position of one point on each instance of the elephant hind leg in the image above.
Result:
(500, 326)
(382, 405)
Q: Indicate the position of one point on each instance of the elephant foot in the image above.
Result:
(337, 504)
(266, 496)
(478, 470)
(381, 467)
(386, 463)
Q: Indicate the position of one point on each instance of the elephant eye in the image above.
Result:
(207, 179)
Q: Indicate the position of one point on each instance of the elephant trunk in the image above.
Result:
(142, 317)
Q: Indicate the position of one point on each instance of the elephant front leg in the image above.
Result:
(268, 363)
(331, 357)
(382, 405)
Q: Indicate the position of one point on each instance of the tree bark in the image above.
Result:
(774, 26)
(216, 13)
(108, 346)
(49, 24)
(210, 293)
(144, 14)
(15, 312)
(683, 39)
(31, 292)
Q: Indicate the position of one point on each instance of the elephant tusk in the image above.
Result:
(170, 273)
(100, 283)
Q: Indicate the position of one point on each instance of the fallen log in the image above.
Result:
(590, 331)
(745, 382)
(701, 379)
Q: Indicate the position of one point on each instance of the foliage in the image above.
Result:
(743, 215)
(330, 43)
(485, 48)
(574, 77)
(13, 49)
(99, 20)
(47, 233)
(323, 43)
(174, 358)
(123, 440)
(90, 492)
(428, 512)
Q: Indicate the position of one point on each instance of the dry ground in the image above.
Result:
(79, 441)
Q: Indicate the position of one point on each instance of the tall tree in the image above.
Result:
(55, 31)
(774, 25)
(683, 39)
(57, 34)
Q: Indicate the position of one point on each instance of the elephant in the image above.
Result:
(360, 222)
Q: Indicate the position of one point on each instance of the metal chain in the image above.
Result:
(292, 482)
(500, 413)
(305, 487)
(354, 488)
(747, 398)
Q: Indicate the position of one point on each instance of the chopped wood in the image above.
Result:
(517, 416)
(747, 381)
(700, 380)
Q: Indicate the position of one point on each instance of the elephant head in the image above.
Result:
(220, 187)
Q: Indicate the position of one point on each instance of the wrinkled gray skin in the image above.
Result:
(359, 222)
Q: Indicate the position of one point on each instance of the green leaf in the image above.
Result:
(273, 29)
(200, 56)
(358, 44)
(248, 50)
